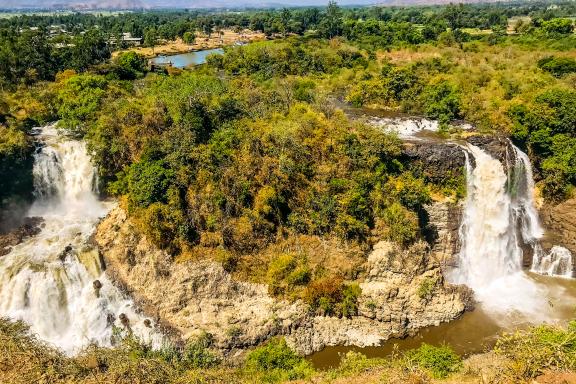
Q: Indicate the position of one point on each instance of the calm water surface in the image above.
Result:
(186, 59)
(474, 332)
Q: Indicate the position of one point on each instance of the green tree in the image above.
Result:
(189, 37)
(148, 182)
(441, 101)
(331, 25)
(151, 38)
(558, 26)
(285, 16)
(79, 100)
(130, 65)
(89, 49)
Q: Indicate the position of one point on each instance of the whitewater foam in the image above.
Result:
(499, 216)
(48, 281)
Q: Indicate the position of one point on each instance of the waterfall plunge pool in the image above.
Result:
(496, 224)
(475, 332)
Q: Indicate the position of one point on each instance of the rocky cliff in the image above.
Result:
(441, 230)
(403, 291)
(560, 222)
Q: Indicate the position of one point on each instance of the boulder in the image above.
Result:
(31, 227)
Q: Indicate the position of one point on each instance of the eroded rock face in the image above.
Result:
(194, 296)
(560, 222)
(403, 292)
(443, 223)
(30, 227)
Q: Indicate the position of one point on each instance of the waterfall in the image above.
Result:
(489, 247)
(558, 262)
(499, 216)
(54, 281)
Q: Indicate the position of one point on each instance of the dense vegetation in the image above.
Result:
(519, 357)
(252, 150)
(37, 47)
(251, 160)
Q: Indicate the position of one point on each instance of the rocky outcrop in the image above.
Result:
(191, 297)
(497, 147)
(403, 291)
(441, 230)
(30, 227)
(437, 161)
(560, 222)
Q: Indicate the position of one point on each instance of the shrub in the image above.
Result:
(285, 272)
(324, 294)
(197, 355)
(557, 66)
(401, 224)
(439, 361)
(332, 297)
(538, 349)
(350, 295)
(276, 362)
(229, 260)
(426, 288)
(354, 363)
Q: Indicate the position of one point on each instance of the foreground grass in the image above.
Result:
(541, 354)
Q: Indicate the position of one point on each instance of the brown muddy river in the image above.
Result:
(475, 331)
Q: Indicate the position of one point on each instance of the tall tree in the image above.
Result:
(285, 16)
(150, 38)
(331, 26)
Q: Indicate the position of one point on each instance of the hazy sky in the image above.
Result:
(168, 3)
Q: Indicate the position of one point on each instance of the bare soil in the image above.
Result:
(202, 42)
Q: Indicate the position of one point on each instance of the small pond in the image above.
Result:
(184, 60)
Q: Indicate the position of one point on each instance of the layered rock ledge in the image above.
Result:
(404, 290)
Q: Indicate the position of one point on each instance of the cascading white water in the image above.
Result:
(48, 281)
(558, 262)
(489, 249)
(499, 215)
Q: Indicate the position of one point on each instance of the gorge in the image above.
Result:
(56, 280)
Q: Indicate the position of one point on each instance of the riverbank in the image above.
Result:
(542, 355)
(202, 42)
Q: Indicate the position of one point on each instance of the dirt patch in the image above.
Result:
(556, 377)
(202, 42)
